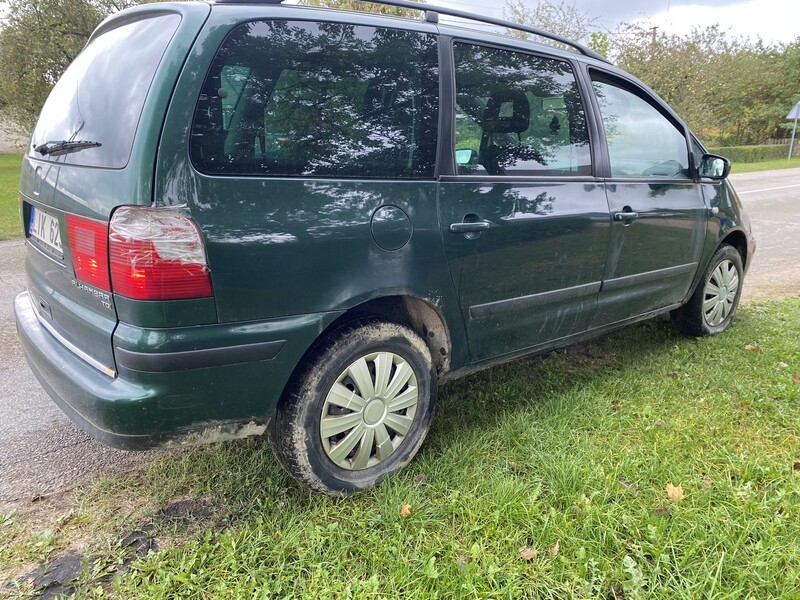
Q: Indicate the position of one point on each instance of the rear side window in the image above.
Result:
(101, 95)
(291, 98)
(518, 114)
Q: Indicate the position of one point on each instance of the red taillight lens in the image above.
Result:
(88, 243)
(157, 254)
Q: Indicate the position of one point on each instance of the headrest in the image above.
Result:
(499, 102)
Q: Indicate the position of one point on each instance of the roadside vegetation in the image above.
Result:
(766, 165)
(9, 197)
(641, 465)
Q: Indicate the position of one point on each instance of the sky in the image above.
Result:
(775, 21)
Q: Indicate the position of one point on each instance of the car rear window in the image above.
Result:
(100, 96)
(319, 99)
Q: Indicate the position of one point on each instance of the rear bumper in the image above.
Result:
(163, 398)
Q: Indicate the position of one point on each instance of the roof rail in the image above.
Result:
(451, 12)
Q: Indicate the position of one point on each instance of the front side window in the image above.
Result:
(642, 142)
(518, 114)
(298, 98)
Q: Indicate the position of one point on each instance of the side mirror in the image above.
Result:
(714, 167)
(466, 157)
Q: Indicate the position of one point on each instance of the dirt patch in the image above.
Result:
(76, 566)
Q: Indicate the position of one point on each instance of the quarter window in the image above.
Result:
(319, 99)
(518, 114)
(642, 142)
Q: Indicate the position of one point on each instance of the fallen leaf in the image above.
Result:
(707, 482)
(463, 561)
(780, 511)
(743, 405)
(674, 493)
(528, 553)
(578, 510)
(661, 511)
(782, 365)
(556, 547)
(405, 510)
(753, 348)
(421, 479)
(345, 554)
(796, 378)
(796, 466)
(616, 405)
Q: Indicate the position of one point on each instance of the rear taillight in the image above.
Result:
(88, 243)
(157, 254)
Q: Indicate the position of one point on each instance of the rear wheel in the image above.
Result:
(712, 306)
(358, 410)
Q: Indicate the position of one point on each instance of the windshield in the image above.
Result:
(99, 98)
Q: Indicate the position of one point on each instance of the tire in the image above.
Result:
(713, 304)
(335, 429)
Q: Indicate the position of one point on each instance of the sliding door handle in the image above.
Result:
(626, 216)
(470, 227)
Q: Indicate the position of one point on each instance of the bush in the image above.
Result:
(751, 154)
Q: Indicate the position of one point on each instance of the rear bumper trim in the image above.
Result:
(159, 362)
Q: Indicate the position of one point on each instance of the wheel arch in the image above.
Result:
(420, 315)
(737, 239)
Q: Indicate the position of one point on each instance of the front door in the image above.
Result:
(657, 213)
(524, 222)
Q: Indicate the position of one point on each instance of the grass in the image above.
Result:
(767, 165)
(543, 478)
(9, 196)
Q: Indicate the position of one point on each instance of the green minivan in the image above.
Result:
(248, 218)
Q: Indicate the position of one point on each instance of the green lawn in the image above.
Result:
(767, 165)
(546, 478)
(9, 196)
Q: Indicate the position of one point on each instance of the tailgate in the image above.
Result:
(93, 149)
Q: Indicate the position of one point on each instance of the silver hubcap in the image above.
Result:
(369, 411)
(720, 293)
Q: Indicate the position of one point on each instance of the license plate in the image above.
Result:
(44, 229)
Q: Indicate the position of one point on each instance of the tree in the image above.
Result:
(369, 7)
(555, 17)
(38, 40)
(730, 90)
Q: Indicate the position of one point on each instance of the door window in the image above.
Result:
(517, 114)
(642, 142)
(319, 99)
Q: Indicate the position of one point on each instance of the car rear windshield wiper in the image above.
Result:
(64, 147)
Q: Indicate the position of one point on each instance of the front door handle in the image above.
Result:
(470, 227)
(626, 216)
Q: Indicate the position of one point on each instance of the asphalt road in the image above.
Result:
(772, 199)
(42, 452)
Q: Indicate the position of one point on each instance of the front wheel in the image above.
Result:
(712, 306)
(358, 410)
